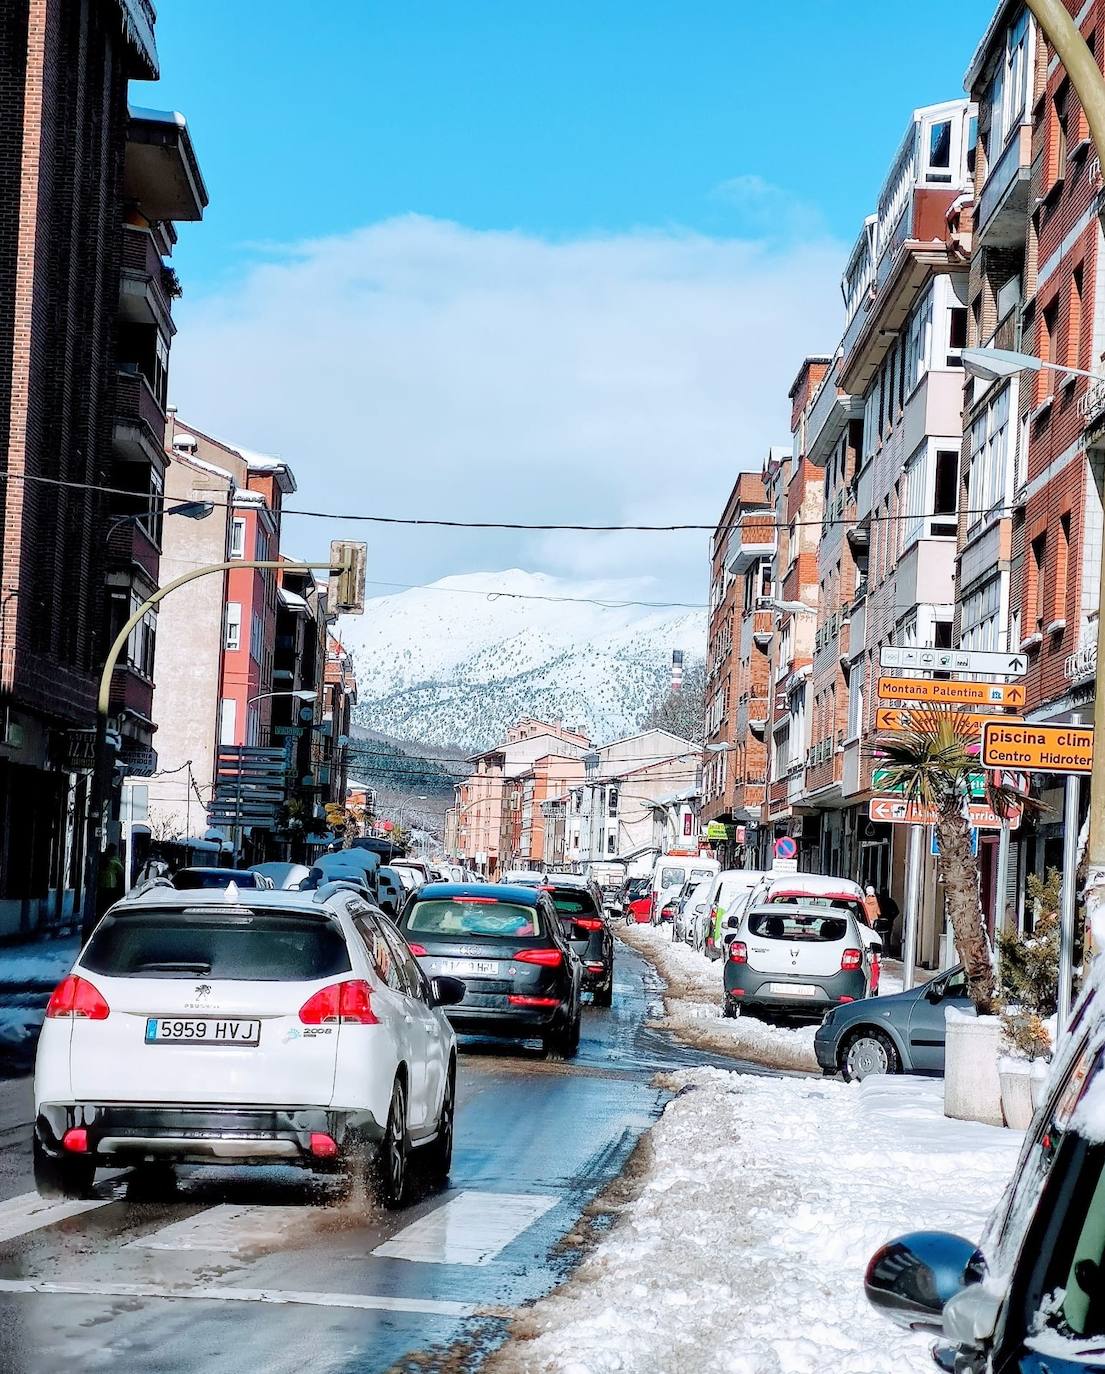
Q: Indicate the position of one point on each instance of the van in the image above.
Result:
(726, 899)
(672, 871)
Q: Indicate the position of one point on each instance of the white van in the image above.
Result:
(672, 871)
(727, 899)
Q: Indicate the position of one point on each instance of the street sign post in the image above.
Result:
(899, 720)
(951, 693)
(895, 811)
(954, 661)
(1037, 748)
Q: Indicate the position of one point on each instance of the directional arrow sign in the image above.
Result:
(1037, 748)
(898, 720)
(954, 661)
(894, 811)
(953, 693)
(880, 781)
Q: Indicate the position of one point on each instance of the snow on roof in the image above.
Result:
(292, 600)
(158, 116)
(250, 498)
(201, 464)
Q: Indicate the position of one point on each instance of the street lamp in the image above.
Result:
(991, 364)
(772, 603)
(191, 510)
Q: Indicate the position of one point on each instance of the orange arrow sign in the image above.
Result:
(899, 720)
(895, 811)
(950, 693)
(1037, 748)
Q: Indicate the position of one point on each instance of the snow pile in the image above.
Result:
(745, 1251)
(28, 974)
(694, 1005)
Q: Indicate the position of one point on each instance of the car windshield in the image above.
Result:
(671, 877)
(485, 917)
(804, 926)
(240, 944)
(195, 879)
(699, 875)
(637, 888)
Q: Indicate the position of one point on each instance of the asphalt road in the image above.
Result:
(233, 1270)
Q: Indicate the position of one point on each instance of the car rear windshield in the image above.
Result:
(785, 925)
(244, 945)
(574, 903)
(672, 877)
(637, 888)
(483, 917)
(699, 875)
(834, 903)
(193, 879)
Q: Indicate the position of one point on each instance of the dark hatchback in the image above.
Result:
(583, 919)
(522, 973)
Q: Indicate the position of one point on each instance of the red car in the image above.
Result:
(636, 899)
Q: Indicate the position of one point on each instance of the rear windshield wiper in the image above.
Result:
(195, 966)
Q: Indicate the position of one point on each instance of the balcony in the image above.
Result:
(829, 417)
(1003, 202)
(762, 628)
(752, 540)
(935, 407)
(160, 172)
(138, 436)
(129, 545)
(145, 283)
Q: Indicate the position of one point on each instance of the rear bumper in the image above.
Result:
(518, 1023)
(745, 986)
(121, 1133)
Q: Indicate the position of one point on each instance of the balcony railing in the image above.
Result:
(135, 401)
(1004, 194)
(752, 540)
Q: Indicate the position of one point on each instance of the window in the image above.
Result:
(238, 537)
(1008, 297)
(1074, 323)
(942, 634)
(1059, 575)
(1007, 97)
(228, 713)
(256, 643)
(1039, 558)
(1062, 112)
(980, 617)
(233, 640)
(918, 334)
(939, 152)
(988, 465)
(945, 490)
(612, 801)
(611, 843)
(957, 332)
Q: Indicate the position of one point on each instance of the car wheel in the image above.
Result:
(390, 1165)
(439, 1154)
(62, 1176)
(731, 1010)
(868, 1052)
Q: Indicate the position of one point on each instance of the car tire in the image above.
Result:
(602, 997)
(731, 1010)
(439, 1153)
(867, 1052)
(390, 1174)
(61, 1176)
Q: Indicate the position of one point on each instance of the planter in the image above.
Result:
(1015, 1076)
(972, 1088)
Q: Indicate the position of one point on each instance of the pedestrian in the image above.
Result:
(110, 887)
(870, 905)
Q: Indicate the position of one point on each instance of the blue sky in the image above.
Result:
(554, 261)
(553, 116)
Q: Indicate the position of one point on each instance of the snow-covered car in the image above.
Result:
(211, 879)
(1025, 1298)
(902, 1033)
(672, 870)
(251, 1028)
(663, 908)
(288, 877)
(797, 958)
(524, 877)
(691, 912)
(412, 871)
(729, 893)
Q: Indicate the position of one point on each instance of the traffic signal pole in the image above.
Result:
(347, 563)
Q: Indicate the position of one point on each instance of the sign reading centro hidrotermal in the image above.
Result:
(954, 661)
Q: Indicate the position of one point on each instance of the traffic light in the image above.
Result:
(348, 560)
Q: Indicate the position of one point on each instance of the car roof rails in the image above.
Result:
(147, 885)
(326, 890)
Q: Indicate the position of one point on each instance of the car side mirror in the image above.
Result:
(732, 923)
(447, 992)
(912, 1278)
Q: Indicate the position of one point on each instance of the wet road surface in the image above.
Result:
(235, 1270)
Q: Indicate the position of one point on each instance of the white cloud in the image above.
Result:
(761, 208)
(417, 367)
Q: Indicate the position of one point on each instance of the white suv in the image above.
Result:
(246, 1028)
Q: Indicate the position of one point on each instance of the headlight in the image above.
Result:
(827, 1018)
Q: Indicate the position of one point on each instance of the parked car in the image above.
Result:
(273, 1028)
(523, 977)
(729, 891)
(691, 910)
(672, 871)
(902, 1033)
(636, 900)
(524, 877)
(390, 891)
(663, 906)
(582, 916)
(796, 958)
(1026, 1298)
(413, 872)
(215, 879)
(286, 877)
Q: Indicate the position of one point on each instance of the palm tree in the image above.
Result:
(931, 767)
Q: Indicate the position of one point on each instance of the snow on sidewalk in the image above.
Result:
(745, 1250)
(28, 974)
(694, 1005)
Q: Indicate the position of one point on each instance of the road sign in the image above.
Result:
(784, 865)
(786, 847)
(1037, 748)
(898, 720)
(880, 781)
(954, 661)
(895, 811)
(949, 692)
(934, 842)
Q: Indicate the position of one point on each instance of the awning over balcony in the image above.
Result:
(160, 172)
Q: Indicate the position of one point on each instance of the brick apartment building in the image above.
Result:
(89, 190)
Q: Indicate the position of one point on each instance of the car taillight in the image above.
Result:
(323, 1146)
(518, 1000)
(417, 950)
(738, 952)
(587, 922)
(76, 997)
(548, 958)
(75, 1140)
(850, 960)
(348, 1003)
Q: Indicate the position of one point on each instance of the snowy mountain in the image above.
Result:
(458, 661)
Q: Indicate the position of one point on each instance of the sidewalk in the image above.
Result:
(745, 1246)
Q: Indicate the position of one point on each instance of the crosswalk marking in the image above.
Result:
(29, 1212)
(367, 1302)
(469, 1229)
(227, 1228)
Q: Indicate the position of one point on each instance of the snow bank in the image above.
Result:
(694, 1006)
(745, 1250)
